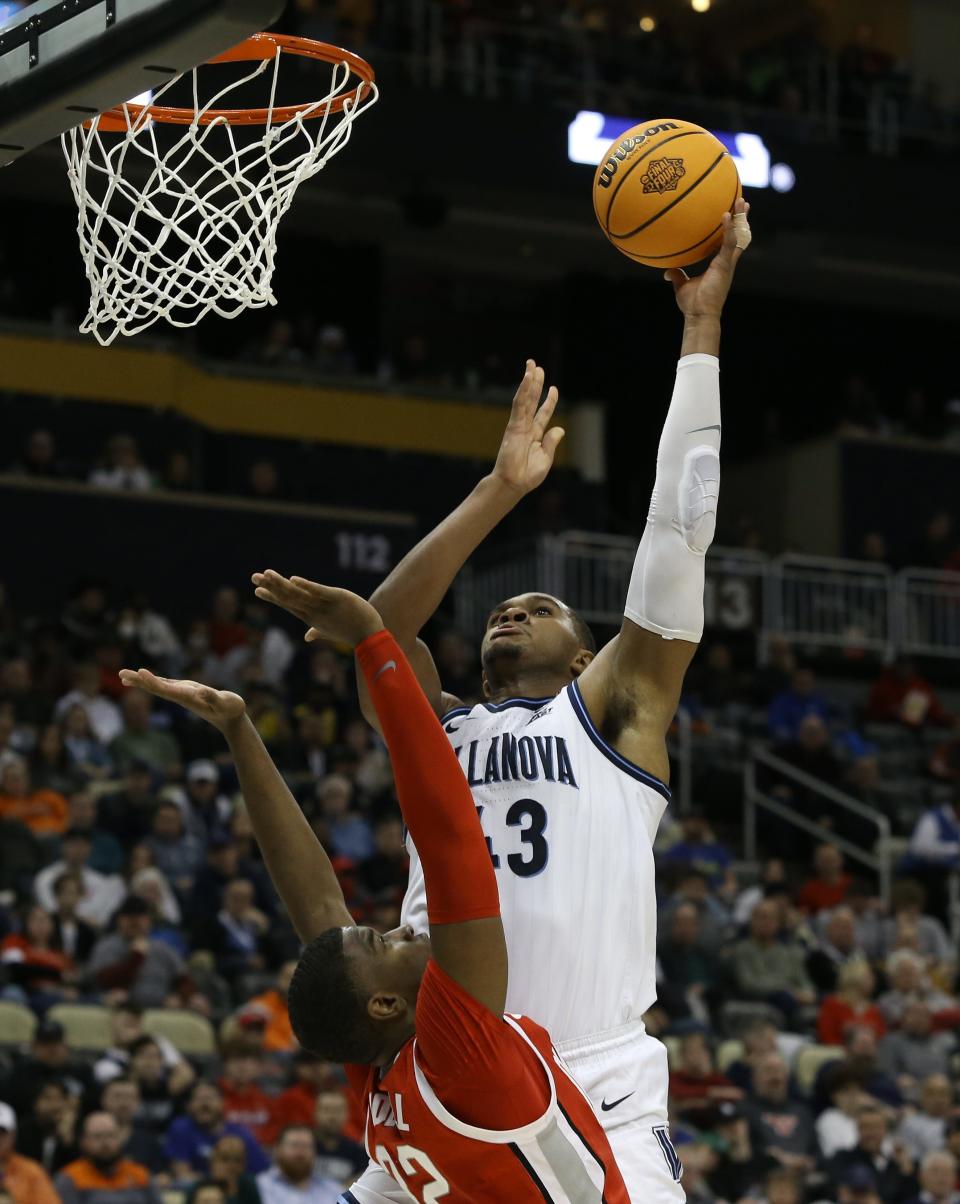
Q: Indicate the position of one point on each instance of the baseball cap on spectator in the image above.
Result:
(202, 771)
(48, 1032)
(252, 1017)
(8, 1119)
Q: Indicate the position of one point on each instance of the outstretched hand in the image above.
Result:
(219, 707)
(330, 613)
(704, 296)
(528, 446)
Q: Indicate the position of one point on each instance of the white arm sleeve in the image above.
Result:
(666, 588)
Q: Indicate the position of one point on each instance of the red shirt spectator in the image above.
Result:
(829, 887)
(901, 695)
(244, 1103)
(837, 1015)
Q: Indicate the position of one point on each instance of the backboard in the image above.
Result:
(64, 61)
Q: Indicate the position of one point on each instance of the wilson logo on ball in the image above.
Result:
(663, 175)
(626, 148)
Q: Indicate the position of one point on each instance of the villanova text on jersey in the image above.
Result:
(507, 758)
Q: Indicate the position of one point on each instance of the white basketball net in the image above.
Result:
(180, 232)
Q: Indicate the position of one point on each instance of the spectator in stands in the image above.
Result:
(789, 709)
(127, 811)
(244, 1103)
(21, 855)
(102, 894)
(44, 812)
(226, 628)
(860, 1045)
(338, 1156)
(836, 1126)
(120, 1098)
(48, 1060)
(156, 1083)
(383, 875)
(177, 853)
(766, 968)
(130, 964)
(347, 833)
(179, 475)
(908, 901)
(50, 765)
(263, 658)
(272, 1005)
(935, 841)
(740, 1167)
(87, 620)
(915, 1051)
(141, 742)
(691, 886)
(72, 935)
(830, 883)
(102, 1175)
(687, 961)
(925, 1130)
(38, 974)
(126, 1030)
(295, 1173)
(700, 848)
(937, 545)
(297, 1103)
(102, 714)
(696, 1087)
(938, 1179)
(333, 356)
(263, 481)
(277, 348)
(779, 1125)
(909, 983)
(86, 754)
(237, 935)
(39, 458)
(889, 1162)
(106, 854)
(837, 947)
(48, 1133)
(772, 873)
(901, 695)
(228, 1166)
(121, 467)
(24, 1180)
(851, 1005)
(811, 753)
(208, 810)
(191, 1138)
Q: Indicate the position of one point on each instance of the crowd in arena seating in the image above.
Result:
(811, 1026)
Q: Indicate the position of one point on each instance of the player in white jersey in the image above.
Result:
(567, 758)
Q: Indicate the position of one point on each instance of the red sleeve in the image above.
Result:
(435, 799)
(482, 1070)
(831, 1021)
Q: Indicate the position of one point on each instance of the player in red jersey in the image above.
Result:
(462, 1102)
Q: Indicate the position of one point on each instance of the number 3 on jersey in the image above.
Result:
(414, 1162)
(531, 818)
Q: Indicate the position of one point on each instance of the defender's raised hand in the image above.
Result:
(703, 296)
(219, 707)
(330, 614)
(528, 447)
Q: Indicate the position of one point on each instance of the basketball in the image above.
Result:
(661, 190)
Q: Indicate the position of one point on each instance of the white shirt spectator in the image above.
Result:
(135, 478)
(836, 1131)
(276, 1188)
(104, 716)
(102, 893)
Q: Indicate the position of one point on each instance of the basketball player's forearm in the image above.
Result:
(298, 867)
(701, 335)
(408, 598)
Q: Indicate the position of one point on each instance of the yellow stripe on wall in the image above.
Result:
(88, 372)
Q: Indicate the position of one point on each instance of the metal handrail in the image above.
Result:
(754, 797)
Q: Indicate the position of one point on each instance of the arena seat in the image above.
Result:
(186, 1031)
(809, 1062)
(17, 1024)
(85, 1025)
(727, 1052)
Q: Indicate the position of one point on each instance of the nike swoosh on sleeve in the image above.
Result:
(696, 429)
(383, 668)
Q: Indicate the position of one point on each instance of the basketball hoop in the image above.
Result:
(177, 231)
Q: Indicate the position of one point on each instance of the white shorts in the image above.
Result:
(624, 1072)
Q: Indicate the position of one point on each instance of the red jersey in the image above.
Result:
(439, 1119)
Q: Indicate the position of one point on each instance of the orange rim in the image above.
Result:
(262, 46)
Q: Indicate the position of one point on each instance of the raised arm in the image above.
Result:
(632, 688)
(466, 933)
(295, 859)
(412, 592)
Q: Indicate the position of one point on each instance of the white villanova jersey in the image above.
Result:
(570, 824)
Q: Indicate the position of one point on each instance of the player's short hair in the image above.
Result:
(327, 1013)
(586, 637)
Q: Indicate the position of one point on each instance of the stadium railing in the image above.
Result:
(756, 798)
(820, 602)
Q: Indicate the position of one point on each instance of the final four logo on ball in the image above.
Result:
(663, 175)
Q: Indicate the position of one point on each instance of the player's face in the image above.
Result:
(388, 964)
(532, 632)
